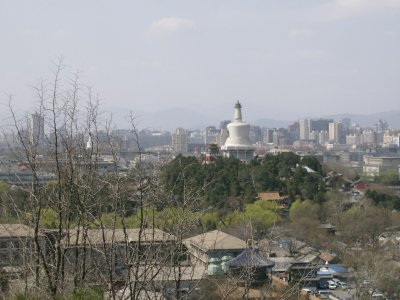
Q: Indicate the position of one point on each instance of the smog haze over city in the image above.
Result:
(283, 60)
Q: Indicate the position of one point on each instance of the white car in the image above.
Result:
(366, 282)
(377, 295)
(331, 285)
(306, 291)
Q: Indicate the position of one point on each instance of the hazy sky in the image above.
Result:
(283, 59)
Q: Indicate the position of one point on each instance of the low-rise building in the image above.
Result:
(102, 250)
(274, 197)
(213, 244)
(374, 166)
(17, 245)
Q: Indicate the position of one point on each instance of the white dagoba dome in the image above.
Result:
(238, 143)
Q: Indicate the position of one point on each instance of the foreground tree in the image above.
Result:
(91, 223)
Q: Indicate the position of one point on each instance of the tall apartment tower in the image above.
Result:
(304, 129)
(211, 135)
(180, 141)
(36, 129)
(336, 134)
(320, 124)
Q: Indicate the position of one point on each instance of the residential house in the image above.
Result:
(360, 185)
(17, 246)
(282, 267)
(250, 267)
(328, 258)
(102, 250)
(281, 201)
(213, 244)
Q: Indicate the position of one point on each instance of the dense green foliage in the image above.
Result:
(388, 178)
(385, 200)
(303, 209)
(229, 183)
(228, 188)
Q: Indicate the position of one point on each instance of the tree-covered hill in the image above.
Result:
(230, 184)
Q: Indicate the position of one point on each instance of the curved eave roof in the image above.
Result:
(249, 258)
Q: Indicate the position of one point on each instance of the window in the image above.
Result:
(4, 244)
(17, 258)
(4, 258)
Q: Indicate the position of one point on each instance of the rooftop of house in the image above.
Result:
(274, 248)
(270, 196)
(308, 258)
(216, 240)
(282, 264)
(327, 257)
(107, 236)
(285, 247)
(250, 258)
(15, 230)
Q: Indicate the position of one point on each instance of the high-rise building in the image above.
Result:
(320, 124)
(304, 129)
(211, 135)
(238, 143)
(353, 139)
(346, 123)
(280, 137)
(36, 129)
(336, 134)
(268, 136)
(369, 137)
(293, 131)
(323, 137)
(255, 134)
(180, 141)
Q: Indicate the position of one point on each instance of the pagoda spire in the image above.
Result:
(238, 113)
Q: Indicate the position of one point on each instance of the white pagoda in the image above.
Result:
(238, 143)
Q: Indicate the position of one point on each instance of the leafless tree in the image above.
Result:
(83, 219)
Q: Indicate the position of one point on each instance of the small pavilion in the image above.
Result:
(250, 268)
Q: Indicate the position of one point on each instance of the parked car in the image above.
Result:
(331, 285)
(342, 285)
(366, 282)
(323, 293)
(306, 291)
(377, 295)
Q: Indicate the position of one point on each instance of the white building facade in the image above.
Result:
(180, 141)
